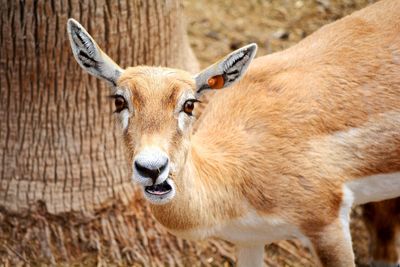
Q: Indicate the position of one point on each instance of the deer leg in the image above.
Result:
(249, 256)
(382, 219)
(332, 245)
(332, 242)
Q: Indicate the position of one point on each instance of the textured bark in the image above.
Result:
(65, 190)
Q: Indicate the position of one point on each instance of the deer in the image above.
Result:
(285, 147)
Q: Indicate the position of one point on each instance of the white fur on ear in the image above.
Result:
(226, 71)
(89, 55)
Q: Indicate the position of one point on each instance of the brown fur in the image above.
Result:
(281, 139)
(330, 247)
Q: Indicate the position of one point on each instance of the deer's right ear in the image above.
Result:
(89, 55)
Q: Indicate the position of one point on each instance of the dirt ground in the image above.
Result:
(216, 27)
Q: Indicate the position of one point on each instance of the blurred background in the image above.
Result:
(65, 197)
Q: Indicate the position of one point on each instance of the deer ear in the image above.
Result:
(89, 55)
(226, 71)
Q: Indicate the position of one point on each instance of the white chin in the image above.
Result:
(160, 198)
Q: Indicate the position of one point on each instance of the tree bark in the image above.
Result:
(65, 189)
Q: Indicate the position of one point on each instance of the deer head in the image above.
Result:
(154, 106)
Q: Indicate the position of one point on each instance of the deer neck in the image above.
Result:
(201, 185)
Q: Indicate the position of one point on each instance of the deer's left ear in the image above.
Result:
(226, 71)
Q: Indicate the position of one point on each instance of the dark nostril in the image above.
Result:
(162, 168)
(150, 172)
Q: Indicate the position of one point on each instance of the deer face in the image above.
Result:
(156, 118)
(155, 106)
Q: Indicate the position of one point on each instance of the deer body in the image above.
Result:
(301, 125)
(283, 153)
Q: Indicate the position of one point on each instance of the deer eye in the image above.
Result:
(120, 103)
(189, 106)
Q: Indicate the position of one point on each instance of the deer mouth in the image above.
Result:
(159, 189)
(160, 193)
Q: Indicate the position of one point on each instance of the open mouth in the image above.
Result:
(161, 193)
(159, 189)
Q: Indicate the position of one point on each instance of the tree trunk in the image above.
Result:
(65, 190)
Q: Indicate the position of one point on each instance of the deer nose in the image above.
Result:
(152, 171)
(151, 166)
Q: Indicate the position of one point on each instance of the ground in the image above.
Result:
(216, 27)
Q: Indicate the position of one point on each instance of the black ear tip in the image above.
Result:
(252, 47)
(72, 23)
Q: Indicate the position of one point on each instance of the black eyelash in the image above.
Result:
(194, 100)
(116, 96)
